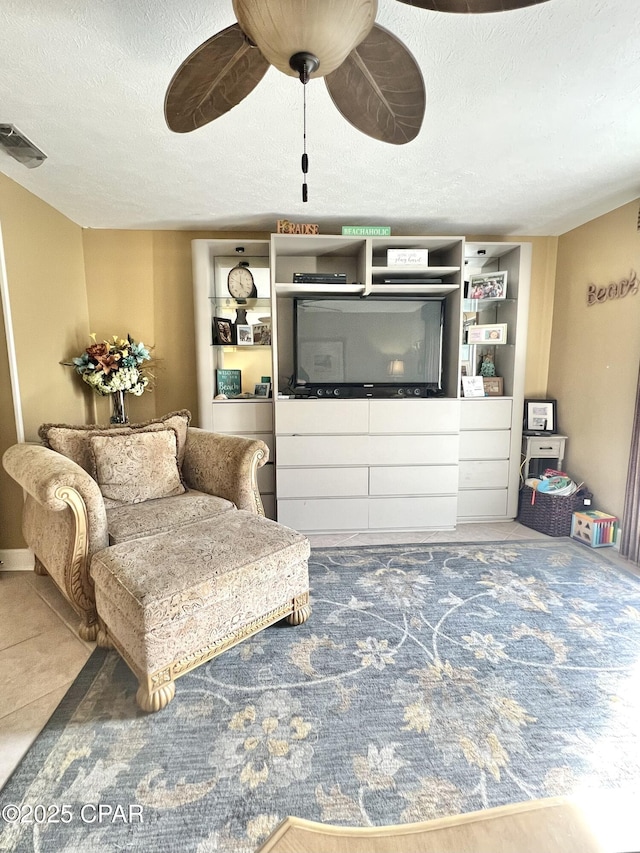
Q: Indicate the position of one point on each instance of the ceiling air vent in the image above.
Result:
(19, 147)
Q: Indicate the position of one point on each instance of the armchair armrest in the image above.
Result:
(226, 466)
(64, 521)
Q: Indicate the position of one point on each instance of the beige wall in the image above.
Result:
(140, 282)
(595, 352)
(45, 278)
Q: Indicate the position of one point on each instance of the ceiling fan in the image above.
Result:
(372, 78)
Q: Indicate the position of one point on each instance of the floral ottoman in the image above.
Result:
(172, 601)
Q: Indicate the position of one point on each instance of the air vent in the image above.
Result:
(19, 147)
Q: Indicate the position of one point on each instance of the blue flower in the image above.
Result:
(82, 364)
(140, 352)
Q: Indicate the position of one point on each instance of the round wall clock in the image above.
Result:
(240, 283)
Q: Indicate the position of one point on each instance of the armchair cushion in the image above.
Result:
(127, 522)
(138, 466)
(74, 442)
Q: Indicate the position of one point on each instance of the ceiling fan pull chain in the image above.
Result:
(305, 159)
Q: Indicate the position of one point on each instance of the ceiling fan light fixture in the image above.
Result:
(329, 29)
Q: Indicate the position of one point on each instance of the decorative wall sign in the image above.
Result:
(366, 230)
(283, 226)
(615, 290)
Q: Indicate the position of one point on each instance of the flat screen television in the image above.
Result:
(372, 340)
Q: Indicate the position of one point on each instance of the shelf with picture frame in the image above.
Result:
(498, 275)
(219, 317)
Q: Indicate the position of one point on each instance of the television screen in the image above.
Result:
(378, 340)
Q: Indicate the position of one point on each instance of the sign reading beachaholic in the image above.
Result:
(366, 230)
(615, 290)
(283, 226)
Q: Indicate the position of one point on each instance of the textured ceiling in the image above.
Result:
(532, 123)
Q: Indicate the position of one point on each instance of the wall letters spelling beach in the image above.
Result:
(615, 290)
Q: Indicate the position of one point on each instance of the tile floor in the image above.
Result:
(35, 619)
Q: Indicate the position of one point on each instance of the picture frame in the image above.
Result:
(540, 417)
(472, 386)
(490, 333)
(221, 331)
(262, 334)
(489, 285)
(262, 389)
(493, 386)
(466, 368)
(244, 335)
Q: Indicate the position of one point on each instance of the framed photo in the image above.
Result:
(262, 389)
(490, 285)
(494, 333)
(221, 331)
(262, 334)
(540, 417)
(323, 360)
(493, 386)
(244, 336)
(465, 368)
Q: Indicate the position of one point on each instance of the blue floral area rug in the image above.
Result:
(430, 680)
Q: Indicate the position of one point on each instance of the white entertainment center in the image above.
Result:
(406, 461)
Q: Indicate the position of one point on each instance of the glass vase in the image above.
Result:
(119, 409)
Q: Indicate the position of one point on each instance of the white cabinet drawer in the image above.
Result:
(485, 444)
(411, 513)
(327, 514)
(485, 414)
(484, 474)
(413, 449)
(305, 417)
(482, 502)
(541, 448)
(414, 480)
(239, 418)
(322, 482)
(422, 416)
(322, 450)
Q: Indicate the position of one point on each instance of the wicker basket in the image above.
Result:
(549, 513)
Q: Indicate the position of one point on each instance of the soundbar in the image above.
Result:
(375, 391)
(319, 278)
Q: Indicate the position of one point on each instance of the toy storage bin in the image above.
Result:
(594, 528)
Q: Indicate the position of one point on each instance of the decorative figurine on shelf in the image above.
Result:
(487, 368)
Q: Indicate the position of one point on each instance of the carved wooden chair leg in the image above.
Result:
(153, 699)
(103, 639)
(88, 630)
(302, 610)
(39, 568)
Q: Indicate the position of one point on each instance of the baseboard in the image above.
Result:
(16, 560)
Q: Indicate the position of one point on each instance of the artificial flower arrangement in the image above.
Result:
(115, 365)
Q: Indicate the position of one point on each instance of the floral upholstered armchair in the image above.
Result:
(89, 487)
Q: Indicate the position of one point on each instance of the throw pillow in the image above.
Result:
(74, 442)
(136, 467)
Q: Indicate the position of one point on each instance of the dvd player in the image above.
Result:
(319, 278)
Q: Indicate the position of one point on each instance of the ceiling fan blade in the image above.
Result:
(379, 89)
(472, 6)
(212, 80)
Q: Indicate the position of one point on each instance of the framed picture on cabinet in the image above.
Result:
(540, 417)
(244, 336)
(494, 333)
(493, 386)
(262, 334)
(490, 285)
(221, 331)
(262, 389)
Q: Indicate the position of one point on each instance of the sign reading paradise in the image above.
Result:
(366, 230)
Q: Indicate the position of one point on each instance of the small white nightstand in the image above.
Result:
(542, 447)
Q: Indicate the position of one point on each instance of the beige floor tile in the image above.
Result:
(19, 729)
(330, 540)
(388, 538)
(39, 665)
(51, 595)
(23, 613)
